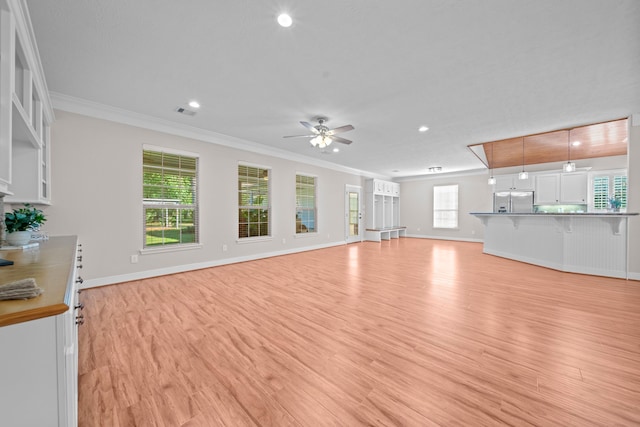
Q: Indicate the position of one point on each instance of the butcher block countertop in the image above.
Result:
(51, 265)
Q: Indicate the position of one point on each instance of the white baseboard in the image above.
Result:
(139, 275)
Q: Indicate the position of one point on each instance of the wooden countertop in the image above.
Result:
(51, 266)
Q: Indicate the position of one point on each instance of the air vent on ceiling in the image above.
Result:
(185, 111)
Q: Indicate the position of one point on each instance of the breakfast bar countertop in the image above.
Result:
(556, 214)
(50, 264)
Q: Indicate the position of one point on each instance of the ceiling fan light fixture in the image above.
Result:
(321, 141)
(423, 128)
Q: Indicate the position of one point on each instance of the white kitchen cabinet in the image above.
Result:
(512, 182)
(573, 188)
(25, 110)
(39, 340)
(547, 189)
(561, 188)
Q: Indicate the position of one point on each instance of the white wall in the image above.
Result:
(97, 192)
(416, 206)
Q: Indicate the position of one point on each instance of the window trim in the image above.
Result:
(196, 206)
(456, 210)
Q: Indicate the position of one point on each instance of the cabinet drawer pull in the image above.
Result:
(79, 266)
(80, 306)
(79, 258)
(80, 319)
(79, 280)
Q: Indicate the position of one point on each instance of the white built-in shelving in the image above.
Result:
(382, 210)
(26, 113)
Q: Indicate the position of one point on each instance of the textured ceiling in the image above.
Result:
(471, 70)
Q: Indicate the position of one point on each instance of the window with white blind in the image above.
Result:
(306, 211)
(254, 201)
(169, 198)
(608, 185)
(445, 206)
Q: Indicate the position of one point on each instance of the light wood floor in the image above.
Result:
(409, 332)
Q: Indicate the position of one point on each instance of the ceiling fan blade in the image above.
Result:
(340, 129)
(310, 127)
(342, 140)
(300, 136)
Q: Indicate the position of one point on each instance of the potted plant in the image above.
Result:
(21, 222)
(615, 203)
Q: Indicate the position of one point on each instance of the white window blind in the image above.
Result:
(254, 201)
(445, 206)
(170, 202)
(306, 210)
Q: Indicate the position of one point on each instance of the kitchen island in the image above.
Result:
(587, 243)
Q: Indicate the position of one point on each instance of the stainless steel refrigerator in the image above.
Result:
(513, 201)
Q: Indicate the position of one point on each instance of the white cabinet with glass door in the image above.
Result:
(25, 111)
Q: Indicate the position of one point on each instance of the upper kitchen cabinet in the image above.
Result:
(512, 182)
(547, 189)
(573, 187)
(25, 110)
(564, 188)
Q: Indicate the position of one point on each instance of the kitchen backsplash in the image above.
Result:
(559, 208)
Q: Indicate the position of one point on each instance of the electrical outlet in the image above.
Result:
(224, 248)
(134, 259)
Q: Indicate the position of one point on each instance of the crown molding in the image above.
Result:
(100, 111)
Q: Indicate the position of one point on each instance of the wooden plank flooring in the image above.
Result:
(407, 332)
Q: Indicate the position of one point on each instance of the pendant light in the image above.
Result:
(569, 166)
(491, 180)
(523, 174)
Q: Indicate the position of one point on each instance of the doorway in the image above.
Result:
(353, 213)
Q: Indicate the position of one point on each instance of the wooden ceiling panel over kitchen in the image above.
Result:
(591, 141)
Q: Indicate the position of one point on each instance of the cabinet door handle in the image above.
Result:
(79, 280)
(79, 266)
(79, 258)
(80, 306)
(80, 319)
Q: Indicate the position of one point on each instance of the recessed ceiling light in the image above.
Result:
(194, 104)
(336, 149)
(575, 143)
(395, 171)
(423, 128)
(435, 169)
(285, 20)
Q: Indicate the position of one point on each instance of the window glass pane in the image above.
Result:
(169, 198)
(253, 201)
(445, 206)
(305, 204)
(620, 190)
(600, 192)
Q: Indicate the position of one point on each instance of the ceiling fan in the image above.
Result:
(321, 136)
